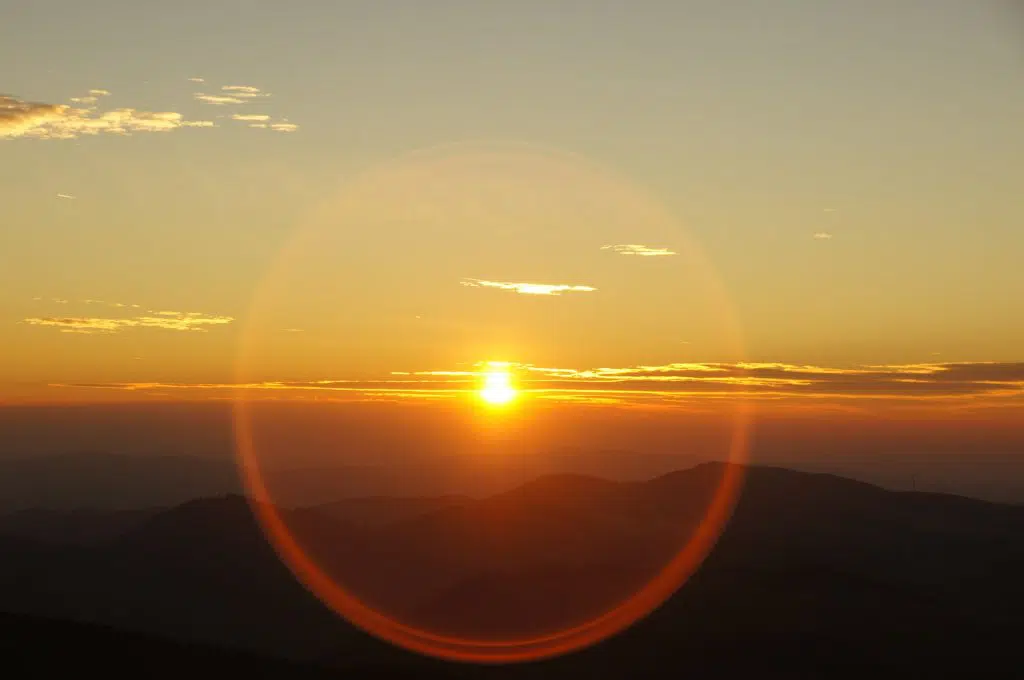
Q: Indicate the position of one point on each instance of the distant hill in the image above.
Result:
(79, 526)
(93, 480)
(379, 511)
(814, 574)
(106, 481)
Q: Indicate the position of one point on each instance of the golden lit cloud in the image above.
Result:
(822, 235)
(62, 121)
(529, 288)
(637, 249)
(84, 116)
(197, 80)
(67, 196)
(18, 118)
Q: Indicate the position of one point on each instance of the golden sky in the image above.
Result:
(802, 206)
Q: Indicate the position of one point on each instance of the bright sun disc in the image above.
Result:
(497, 388)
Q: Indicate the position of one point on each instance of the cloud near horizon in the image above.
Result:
(637, 249)
(529, 288)
(962, 385)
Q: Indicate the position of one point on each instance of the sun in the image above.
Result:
(497, 388)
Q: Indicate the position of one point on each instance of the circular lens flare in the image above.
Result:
(498, 204)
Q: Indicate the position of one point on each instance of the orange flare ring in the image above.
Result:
(344, 603)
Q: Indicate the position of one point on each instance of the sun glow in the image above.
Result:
(497, 388)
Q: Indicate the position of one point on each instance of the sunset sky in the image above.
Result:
(633, 202)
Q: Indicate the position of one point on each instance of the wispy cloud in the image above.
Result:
(67, 196)
(637, 249)
(34, 120)
(822, 235)
(245, 91)
(197, 79)
(167, 320)
(118, 305)
(232, 94)
(243, 94)
(529, 288)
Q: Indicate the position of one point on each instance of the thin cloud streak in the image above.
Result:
(637, 249)
(216, 99)
(683, 383)
(529, 288)
(244, 91)
(119, 305)
(172, 321)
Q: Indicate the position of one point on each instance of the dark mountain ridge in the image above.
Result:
(807, 563)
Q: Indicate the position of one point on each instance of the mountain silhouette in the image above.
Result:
(814, 572)
(107, 481)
